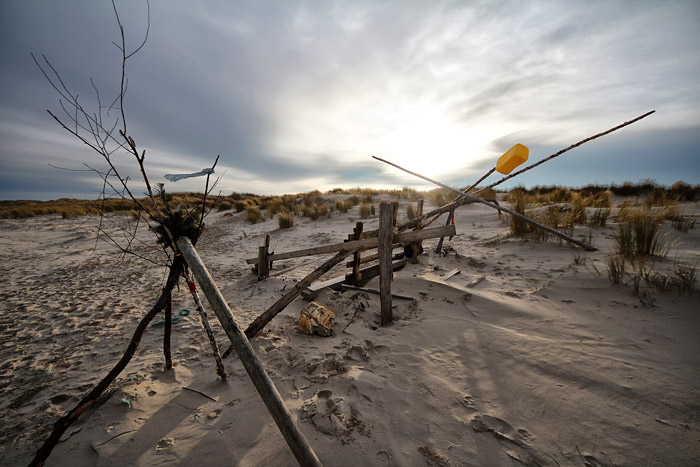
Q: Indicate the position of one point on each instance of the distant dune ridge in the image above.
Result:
(540, 361)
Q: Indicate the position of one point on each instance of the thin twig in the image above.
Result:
(200, 393)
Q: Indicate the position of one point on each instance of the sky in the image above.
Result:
(298, 95)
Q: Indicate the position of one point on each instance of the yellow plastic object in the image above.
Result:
(512, 158)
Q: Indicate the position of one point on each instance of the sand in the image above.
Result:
(544, 362)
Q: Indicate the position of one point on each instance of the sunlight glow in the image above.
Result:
(430, 142)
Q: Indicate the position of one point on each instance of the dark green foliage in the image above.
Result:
(178, 222)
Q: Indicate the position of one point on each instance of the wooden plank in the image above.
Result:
(403, 237)
(374, 291)
(373, 271)
(386, 225)
(476, 281)
(451, 273)
(373, 257)
(259, 323)
(301, 448)
(364, 260)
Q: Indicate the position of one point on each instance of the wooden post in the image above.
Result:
(301, 448)
(386, 217)
(395, 207)
(358, 255)
(263, 263)
(417, 245)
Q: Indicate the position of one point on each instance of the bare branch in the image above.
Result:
(206, 192)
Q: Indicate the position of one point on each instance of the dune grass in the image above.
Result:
(597, 196)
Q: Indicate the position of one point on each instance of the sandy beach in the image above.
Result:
(543, 362)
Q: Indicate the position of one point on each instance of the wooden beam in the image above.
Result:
(372, 257)
(301, 448)
(259, 323)
(374, 291)
(373, 271)
(403, 237)
(386, 227)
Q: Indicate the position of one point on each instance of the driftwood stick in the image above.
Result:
(220, 369)
(386, 218)
(259, 323)
(64, 422)
(168, 331)
(494, 206)
(301, 448)
(557, 154)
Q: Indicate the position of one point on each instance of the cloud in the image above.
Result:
(296, 93)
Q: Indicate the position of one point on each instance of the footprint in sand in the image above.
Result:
(164, 446)
(515, 443)
(330, 415)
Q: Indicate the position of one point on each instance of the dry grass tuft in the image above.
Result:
(285, 219)
(315, 211)
(638, 234)
(253, 214)
(366, 210)
(410, 211)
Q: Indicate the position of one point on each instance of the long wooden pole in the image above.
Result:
(259, 323)
(494, 206)
(301, 448)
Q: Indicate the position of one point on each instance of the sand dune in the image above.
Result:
(544, 362)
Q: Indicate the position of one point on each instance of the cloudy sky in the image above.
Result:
(299, 95)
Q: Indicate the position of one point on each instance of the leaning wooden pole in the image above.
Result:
(494, 206)
(301, 448)
(259, 323)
